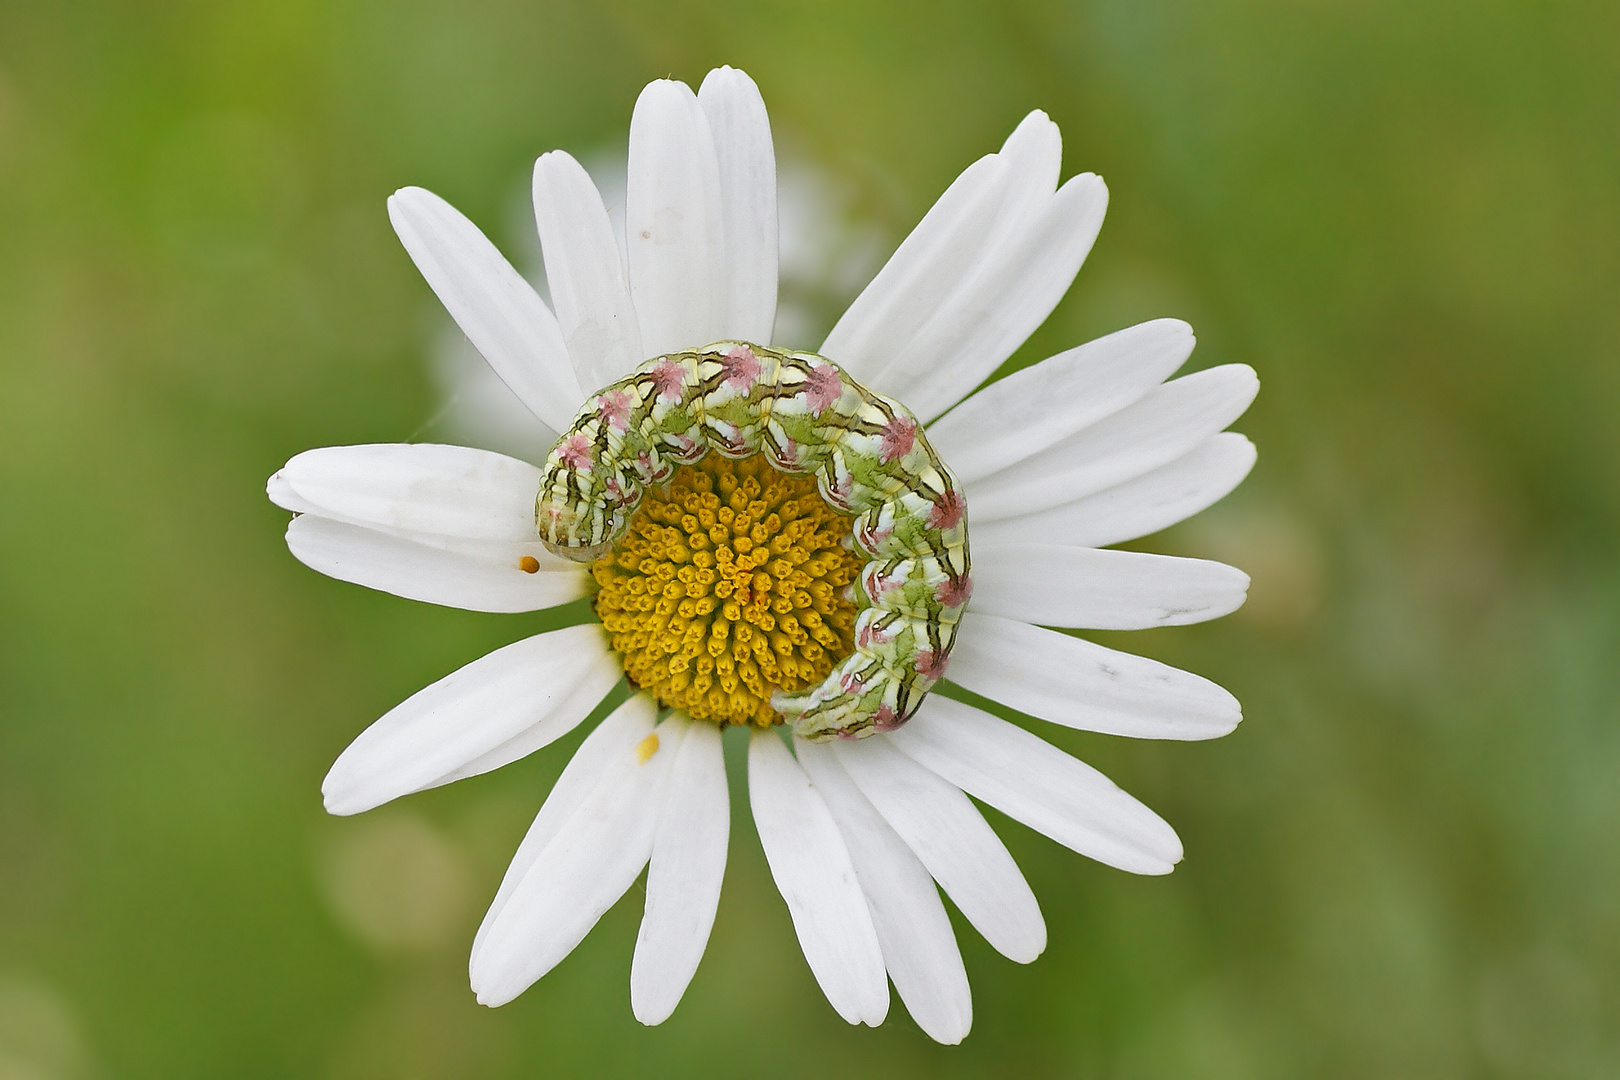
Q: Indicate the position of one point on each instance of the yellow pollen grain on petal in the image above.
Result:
(529, 564)
(647, 747)
(705, 596)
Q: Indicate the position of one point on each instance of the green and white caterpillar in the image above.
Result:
(870, 459)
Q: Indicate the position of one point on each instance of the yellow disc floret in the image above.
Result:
(727, 586)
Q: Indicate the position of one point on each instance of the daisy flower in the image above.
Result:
(1055, 463)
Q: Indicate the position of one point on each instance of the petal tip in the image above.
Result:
(340, 806)
(342, 792)
(725, 73)
(662, 89)
(279, 491)
(408, 194)
(487, 987)
(1035, 124)
(649, 1014)
(554, 159)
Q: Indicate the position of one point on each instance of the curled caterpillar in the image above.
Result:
(871, 460)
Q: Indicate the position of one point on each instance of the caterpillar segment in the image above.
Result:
(870, 459)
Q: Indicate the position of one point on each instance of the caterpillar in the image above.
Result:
(871, 460)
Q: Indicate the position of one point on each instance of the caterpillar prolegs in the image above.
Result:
(870, 459)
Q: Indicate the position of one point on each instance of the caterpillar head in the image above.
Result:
(585, 553)
(573, 534)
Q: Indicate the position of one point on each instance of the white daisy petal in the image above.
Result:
(1010, 292)
(919, 946)
(992, 201)
(419, 488)
(954, 842)
(683, 882)
(926, 266)
(281, 493)
(596, 855)
(498, 311)
(1165, 424)
(1032, 781)
(535, 690)
(471, 575)
(585, 272)
(1101, 589)
(1084, 685)
(624, 729)
(1032, 409)
(812, 870)
(673, 225)
(1035, 152)
(747, 163)
(1138, 507)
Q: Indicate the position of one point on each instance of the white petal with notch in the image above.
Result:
(538, 688)
(500, 313)
(1033, 781)
(813, 872)
(919, 946)
(1080, 684)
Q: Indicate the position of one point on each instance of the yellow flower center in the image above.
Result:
(727, 586)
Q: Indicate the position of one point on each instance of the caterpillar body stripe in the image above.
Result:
(870, 459)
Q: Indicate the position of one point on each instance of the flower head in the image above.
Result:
(729, 585)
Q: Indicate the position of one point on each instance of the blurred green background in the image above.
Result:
(1405, 863)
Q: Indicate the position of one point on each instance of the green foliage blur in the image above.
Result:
(1406, 216)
